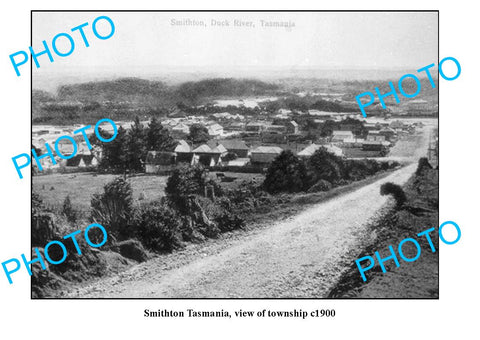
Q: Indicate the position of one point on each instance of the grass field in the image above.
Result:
(81, 186)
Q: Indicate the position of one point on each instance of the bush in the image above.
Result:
(230, 156)
(228, 221)
(396, 191)
(183, 183)
(113, 208)
(321, 185)
(422, 165)
(158, 227)
(325, 165)
(132, 249)
(67, 209)
(286, 173)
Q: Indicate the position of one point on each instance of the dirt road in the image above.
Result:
(302, 256)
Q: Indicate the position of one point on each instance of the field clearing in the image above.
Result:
(239, 178)
(81, 187)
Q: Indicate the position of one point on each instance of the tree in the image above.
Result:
(113, 208)
(184, 182)
(324, 165)
(286, 173)
(198, 133)
(158, 138)
(136, 150)
(113, 153)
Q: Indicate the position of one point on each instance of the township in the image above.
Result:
(239, 142)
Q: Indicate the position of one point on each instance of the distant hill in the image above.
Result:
(127, 97)
(218, 87)
(121, 90)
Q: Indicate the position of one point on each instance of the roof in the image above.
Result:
(310, 150)
(234, 144)
(219, 148)
(215, 126)
(268, 149)
(294, 123)
(342, 133)
(182, 146)
(239, 162)
(204, 148)
(376, 143)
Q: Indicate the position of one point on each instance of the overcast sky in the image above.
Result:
(149, 42)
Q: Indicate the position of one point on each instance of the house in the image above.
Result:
(277, 129)
(184, 153)
(254, 127)
(397, 124)
(82, 161)
(220, 149)
(215, 130)
(180, 130)
(375, 136)
(340, 136)
(235, 127)
(292, 127)
(177, 113)
(388, 133)
(285, 112)
(160, 161)
(310, 150)
(207, 156)
(236, 146)
(66, 147)
(371, 126)
(239, 162)
(375, 145)
(264, 154)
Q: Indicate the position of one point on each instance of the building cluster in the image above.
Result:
(237, 140)
(236, 152)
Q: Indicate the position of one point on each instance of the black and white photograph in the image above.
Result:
(235, 155)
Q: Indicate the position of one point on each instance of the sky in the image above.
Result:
(150, 44)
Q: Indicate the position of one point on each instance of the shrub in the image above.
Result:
(184, 182)
(321, 185)
(68, 210)
(113, 208)
(158, 227)
(325, 165)
(228, 221)
(396, 191)
(230, 156)
(286, 173)
(422, 165)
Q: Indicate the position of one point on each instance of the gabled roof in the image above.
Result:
(310, 150)
(234, 144)
(219, 148)
(294, 123)
(268, 149)
(204, 148)
(182, 146)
